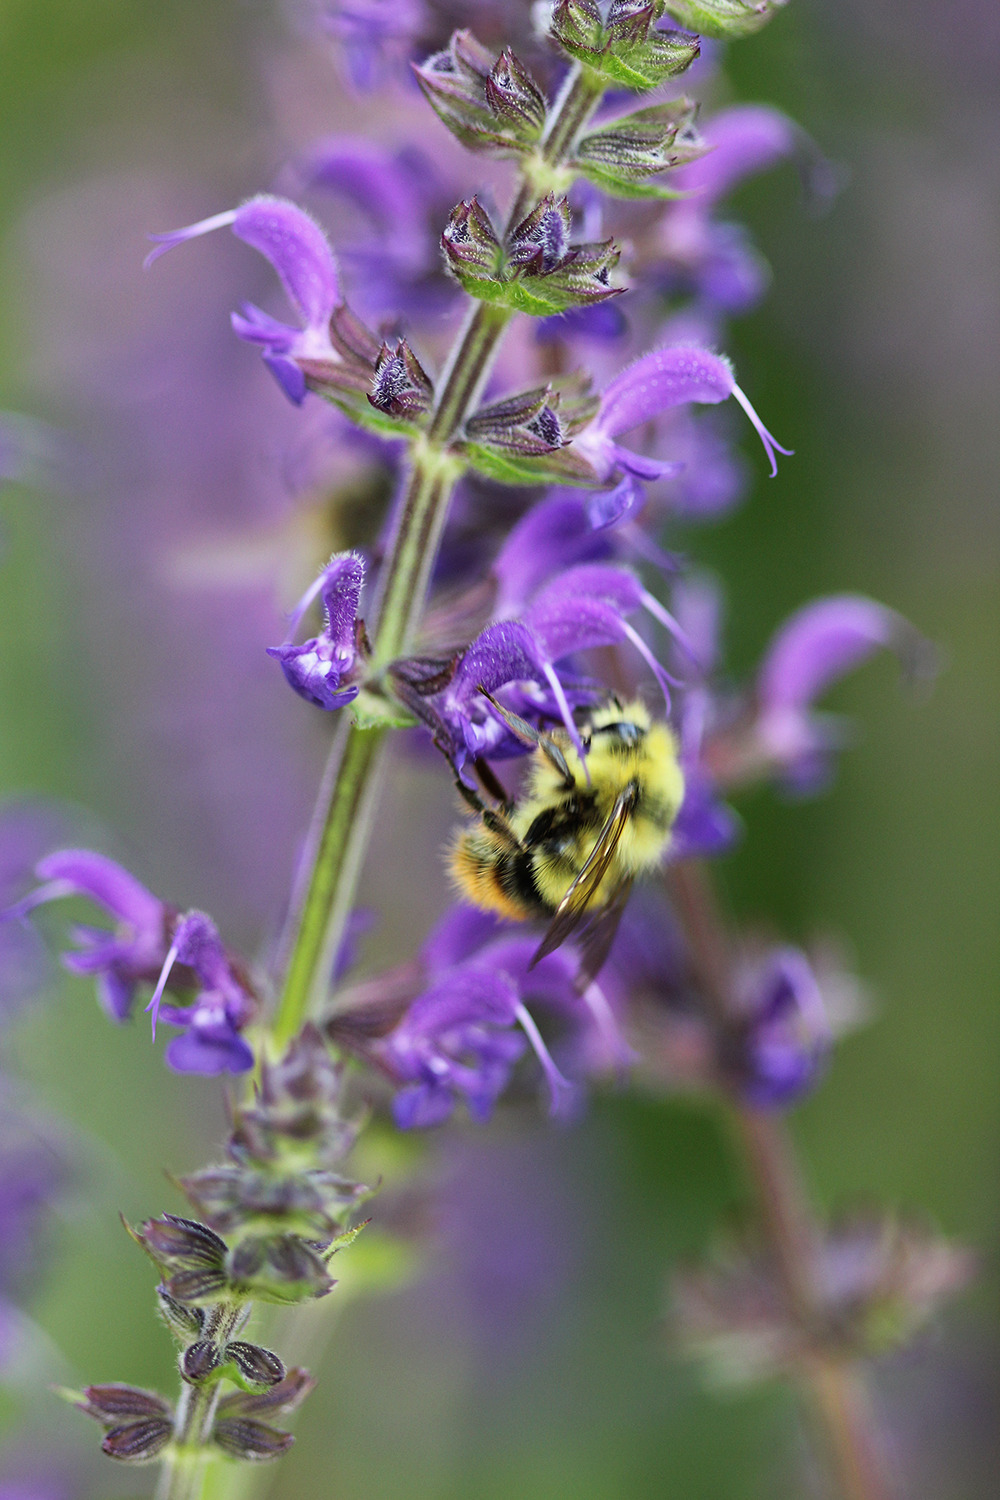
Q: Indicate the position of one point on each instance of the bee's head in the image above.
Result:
(628, 722)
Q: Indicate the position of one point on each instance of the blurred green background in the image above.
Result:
(877, 357)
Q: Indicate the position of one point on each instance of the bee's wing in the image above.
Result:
(599, 934)
(572, 909)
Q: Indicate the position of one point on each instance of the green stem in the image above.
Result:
(832, 1387)
(186, 1462)
(577, 101)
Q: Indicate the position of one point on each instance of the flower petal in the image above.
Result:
(823, 641)
(298, 250)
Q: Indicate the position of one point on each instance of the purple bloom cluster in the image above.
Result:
(472, 1011)
(582, 568)
(151, 943)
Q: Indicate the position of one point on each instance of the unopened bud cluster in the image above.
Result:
(270, 1219)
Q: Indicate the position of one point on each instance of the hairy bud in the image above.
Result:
(626, 48)
(619, 156)
(138, 1424)
(492, 106)
(525, 424)
(401, 385)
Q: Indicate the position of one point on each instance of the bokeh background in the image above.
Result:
(517, 1346)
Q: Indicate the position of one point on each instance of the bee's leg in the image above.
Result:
(493, 817)
(529, 735)
(488, 778)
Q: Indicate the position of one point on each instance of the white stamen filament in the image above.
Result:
(189, 232)
(557, 1083)
(770, 442)
(154, 1004)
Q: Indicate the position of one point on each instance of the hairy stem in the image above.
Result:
(185, 1464)
(832, 1387)
(344, 826)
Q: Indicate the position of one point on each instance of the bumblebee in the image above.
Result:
(571, 846)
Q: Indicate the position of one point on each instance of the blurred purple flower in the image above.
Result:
(148, 939)
(657, 382)
(814, 648)
(26, 830)
(403, 196)
(300, 253)
(786, 1033)
(121, 959)
(318, 668)
(716, 260)
(374, 34)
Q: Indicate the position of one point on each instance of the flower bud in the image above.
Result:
(725, 19)
(258, 1367)
(138, 1442)
(184, 1322)
(138, 1423)
(279, 1268)
(249, 1441)
(190, 1252)
(525, 424)
(513, 95)
(626, 49)
(289, 1393)
(110, 1403)
(620, 155)
(490, 106)
(400, 387)
(471, 244)
(199, 1361)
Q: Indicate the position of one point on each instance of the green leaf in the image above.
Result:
(619, 185)
(370, 710)
(562, 467)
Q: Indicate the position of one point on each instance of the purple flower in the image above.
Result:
(744, 140)
(816, 646)
(459, 1039)
(147, 941)
(373, 34)
(403, 198)
(318, 669)
(119, 960)
(222, 1005)
(581, 608)
(655, 383)
(717, 261)
(26, 829)
(786, 1034)
(298, 250)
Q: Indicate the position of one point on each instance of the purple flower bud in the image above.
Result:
(318, 668)
(298, 250)
(663, 379)
(819, 644)
(787, 1034)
